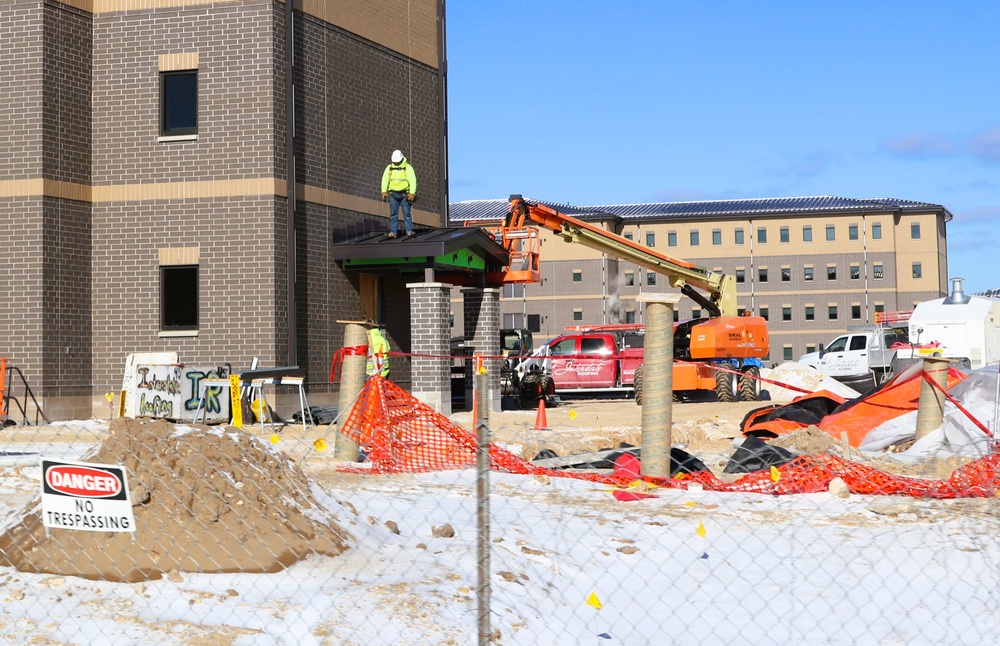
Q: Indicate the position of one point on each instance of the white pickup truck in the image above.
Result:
(861, 359)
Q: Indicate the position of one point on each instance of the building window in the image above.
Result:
(628, 235)
(696, 313)
(741, 311)
(915, 231)
(671, 238)
(831, 233)
(855, 272)
(832, 312)
(764, 312)
(810, 347)
(762, 275)
(179, 103)
(651, 278)
(783, 234)
(534, 322)
(786, 313)
(513, 290)
(877, 271)
(694, 238)
(807, 274)
(810, 313)
(852, 232)
(716, 237)
(577, 276)
(739, 236)
(831, 272)
(630, 316)
(650, 239)
(876, 231)
(761, 235)
(179, 297)
(786, 352)
(741, 275)
(855, 312)
(917, 270)
(807, 233)
(629, 278)
(879, 308)
(677, 316)
(577, 315)
(786, 274)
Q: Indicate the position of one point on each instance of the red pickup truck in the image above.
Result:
(608, 358)
(589, 362)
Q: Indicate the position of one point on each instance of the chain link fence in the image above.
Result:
(243, 537)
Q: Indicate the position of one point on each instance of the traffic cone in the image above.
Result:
(541, 423)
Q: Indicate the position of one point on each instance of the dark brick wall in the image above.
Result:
(241, 287)
(66, 305)
(236, 104)
(357, 102)
(21, 70)
(86, 276)
(66, 94)
(21, 287)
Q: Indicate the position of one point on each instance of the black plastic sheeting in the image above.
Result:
(809, 410)
(680, 460)
(755, 454)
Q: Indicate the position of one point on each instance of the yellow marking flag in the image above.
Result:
(690, 503)
(572, 413)
(274, 438)
(701, 529)
(775, 474)
(593, 601)
(320, 444)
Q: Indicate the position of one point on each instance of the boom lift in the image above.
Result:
(723, 339)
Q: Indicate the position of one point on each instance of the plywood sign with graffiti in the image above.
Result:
(173, 390)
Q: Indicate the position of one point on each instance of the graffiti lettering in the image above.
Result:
(158, 407)
(213, 404)
(169, 385)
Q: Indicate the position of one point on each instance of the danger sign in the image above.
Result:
(86, 496)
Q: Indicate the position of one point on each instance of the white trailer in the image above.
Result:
(959, 327)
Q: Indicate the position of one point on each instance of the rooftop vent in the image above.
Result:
(957, 296)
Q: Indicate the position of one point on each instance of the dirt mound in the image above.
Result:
(205, 500)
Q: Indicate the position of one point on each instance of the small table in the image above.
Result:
(256, 387)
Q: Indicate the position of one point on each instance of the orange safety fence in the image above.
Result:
(400, 434)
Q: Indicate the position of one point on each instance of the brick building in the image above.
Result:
(144, 179)
(813, 266)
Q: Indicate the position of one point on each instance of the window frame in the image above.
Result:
(183, 131)
(169, 294)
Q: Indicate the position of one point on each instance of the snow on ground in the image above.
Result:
(684, 567)
(802, 569)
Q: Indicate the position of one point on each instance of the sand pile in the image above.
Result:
(205, 500)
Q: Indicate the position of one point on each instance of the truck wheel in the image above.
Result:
(547, 386)
(724, 387)
(749, 384)
(531, 389)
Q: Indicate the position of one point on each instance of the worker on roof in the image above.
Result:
(378, 354)
(399, 188)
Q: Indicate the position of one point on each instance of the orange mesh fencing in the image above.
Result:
(400, 434)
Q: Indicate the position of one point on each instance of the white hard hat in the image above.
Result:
(397, 156)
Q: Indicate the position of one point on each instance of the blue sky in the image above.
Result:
(642, 101)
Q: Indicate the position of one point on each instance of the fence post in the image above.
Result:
(481, 398)
(930, 406)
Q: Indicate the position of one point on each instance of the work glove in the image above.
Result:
(385, 197)
(410, 197)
